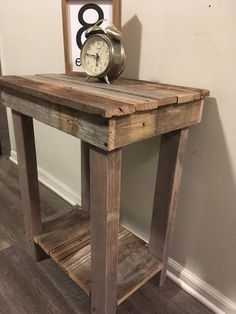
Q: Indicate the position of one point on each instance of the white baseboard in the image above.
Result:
(53, 184)
(199, 289)
(189, 282)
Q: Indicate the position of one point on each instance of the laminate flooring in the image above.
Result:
(29, 287)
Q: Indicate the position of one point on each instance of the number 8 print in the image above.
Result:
(84, 24)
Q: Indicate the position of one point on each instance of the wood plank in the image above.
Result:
(119, 131)
(76, 244)
(124, 97)
(131, 84)
(158, 93)
(98, 90)
(166, 195)
(79, 100)
(135, 264)
(151, 100)
(78, 265)
(203, 92)
(85, 175)
(28, 175)
(90, 128)
(140, 126)
(139, 87)
(64, 229)
(4, 132)
(105, 177)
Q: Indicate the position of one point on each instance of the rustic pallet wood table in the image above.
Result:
(102, 257)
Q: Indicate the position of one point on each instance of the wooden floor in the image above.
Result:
(28, 287)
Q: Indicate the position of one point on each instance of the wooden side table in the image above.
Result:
(109, 262)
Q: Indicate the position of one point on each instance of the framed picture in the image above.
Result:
(78, 16)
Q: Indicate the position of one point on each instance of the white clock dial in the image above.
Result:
(95, 56)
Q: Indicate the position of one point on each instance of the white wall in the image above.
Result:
(181, 42)
(31, 42)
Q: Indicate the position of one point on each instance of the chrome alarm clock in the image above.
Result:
(102, 54)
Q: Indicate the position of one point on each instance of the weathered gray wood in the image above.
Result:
(90, 128)
(28, 174)
(61, 230)
(105, 177)
(108, 134)
(135, 266)
(139, 126)
(165, 93)
(82, 100)
(67, 240)
(4, 132)
(124, 97)
(85, 176)
(166, 195)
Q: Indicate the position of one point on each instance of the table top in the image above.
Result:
(122, 97)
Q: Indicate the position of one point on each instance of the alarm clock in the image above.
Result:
(102, 54)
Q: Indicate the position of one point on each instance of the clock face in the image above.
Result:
(95, 56)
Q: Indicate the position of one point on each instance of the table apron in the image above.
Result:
(112, 133)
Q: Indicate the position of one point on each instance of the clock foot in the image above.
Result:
(107, 80)
(87, 78)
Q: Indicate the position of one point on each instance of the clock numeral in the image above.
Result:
(84, 24)
(77, 62)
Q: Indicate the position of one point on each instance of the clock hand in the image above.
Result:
(97, 59)
(89, 54)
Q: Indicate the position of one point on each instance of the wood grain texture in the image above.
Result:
(63, 229)
(124, 97)
(85, 176)
(108, 134)
(90, 128)
(4, 132)
(141, 88)
(28, 174)
(66, 238)
(105, 178)
(168, 180)
(139, 126)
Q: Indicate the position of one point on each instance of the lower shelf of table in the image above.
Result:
(66, 238)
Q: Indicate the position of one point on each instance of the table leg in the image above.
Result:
(166, 195)
(85, 176)
(28, 176)
(105, 176)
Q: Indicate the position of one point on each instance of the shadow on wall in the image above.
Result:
(205, 232)
(139, 167)
(136, 202)
(132, 36)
